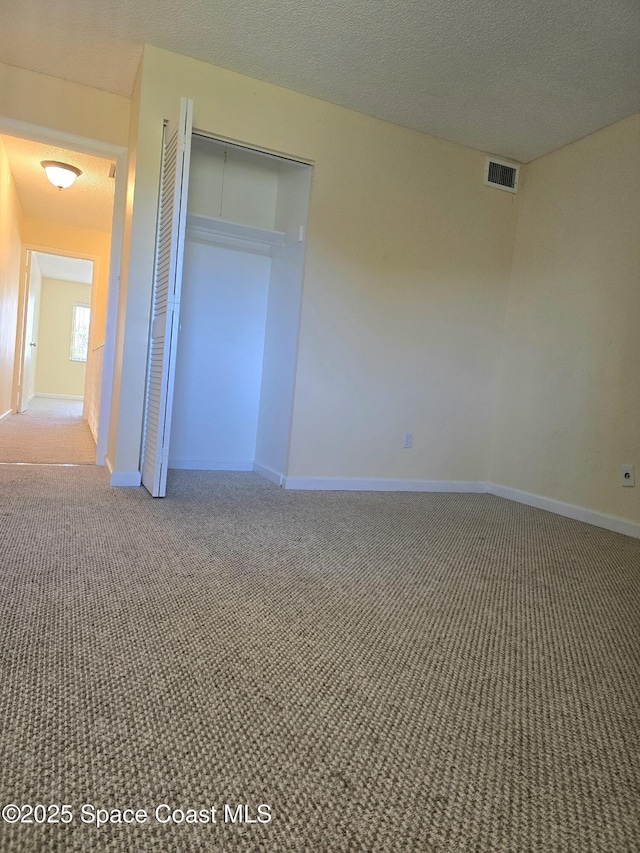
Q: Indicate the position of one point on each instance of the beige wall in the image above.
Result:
(30, 100)
(128, 263)
(10, 255)
(95, 245)
(407, 275)
(55, 372)
(569, 410)
(61, 105)
(408, 257)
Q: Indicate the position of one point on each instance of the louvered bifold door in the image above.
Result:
(165, 310)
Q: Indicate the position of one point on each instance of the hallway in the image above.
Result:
(50, 432)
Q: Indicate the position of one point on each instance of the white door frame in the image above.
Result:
(98, 148)
(23, 301)
(18, 391)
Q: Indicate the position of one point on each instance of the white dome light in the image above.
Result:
(61, 175)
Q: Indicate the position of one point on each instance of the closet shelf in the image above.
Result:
(221, 232)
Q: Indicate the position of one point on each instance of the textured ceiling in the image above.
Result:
(87, 204)
(513, 77)
(61, 268)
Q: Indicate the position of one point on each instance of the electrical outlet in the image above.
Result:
(407, 440)
(628, 475)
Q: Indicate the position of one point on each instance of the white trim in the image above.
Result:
(113, 298)
(383, 484)
(6, 414)
(579, 513)
(123, 478)
(246, 238)
(195, 463)
(38, 133)
(59, 396)
(249, 146)
(17, 392)
(46, 464)
(268, 473)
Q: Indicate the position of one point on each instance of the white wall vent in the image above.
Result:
(501, 174)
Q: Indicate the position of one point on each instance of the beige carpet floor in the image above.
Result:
(50, 431)
(388, 672)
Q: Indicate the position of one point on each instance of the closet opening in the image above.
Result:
(239, 310)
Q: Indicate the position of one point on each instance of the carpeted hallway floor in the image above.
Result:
(51, 431)
(388, 672)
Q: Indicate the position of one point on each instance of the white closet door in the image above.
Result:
(172, 214)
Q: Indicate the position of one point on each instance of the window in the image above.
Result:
(80, 332)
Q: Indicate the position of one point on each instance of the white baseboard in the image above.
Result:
(59, 396)
(579, 513)
(122, 478)
(268, 473)
(7, 414)
(195, 463)
(375, 484)
(382, 484)
(31, 397)
(126, 478)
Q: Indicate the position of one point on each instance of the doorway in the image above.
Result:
(49, 427)
(57, 326)
(79, 228)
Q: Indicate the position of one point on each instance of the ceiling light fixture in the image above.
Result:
(61, 175)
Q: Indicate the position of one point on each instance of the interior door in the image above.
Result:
(28, 342)
(172, 214)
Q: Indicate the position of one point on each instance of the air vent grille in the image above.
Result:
(501, 175)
